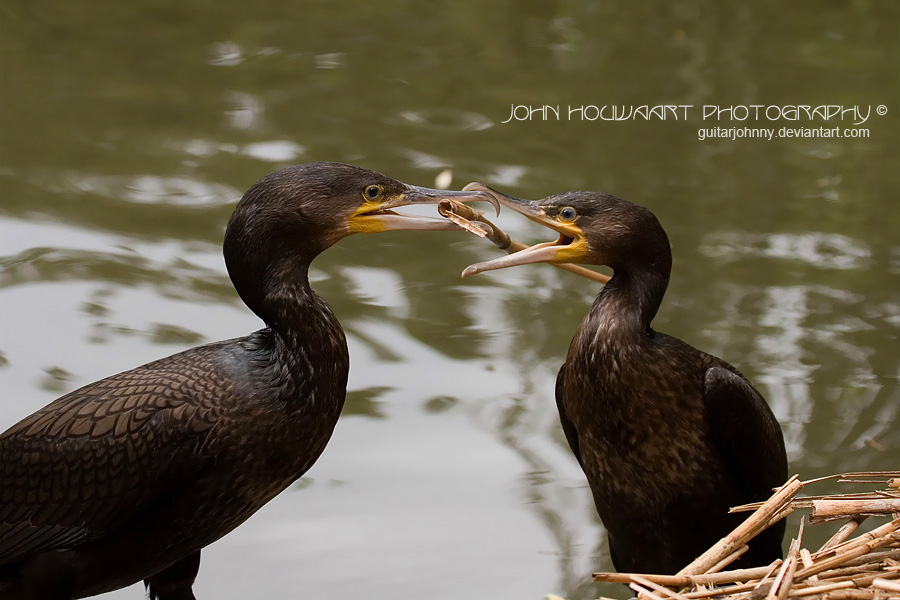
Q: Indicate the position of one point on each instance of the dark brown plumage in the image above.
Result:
(128, 478)
(669, 437)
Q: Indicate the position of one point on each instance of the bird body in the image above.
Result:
(661, 485)
(148, 463)
(128, 478)
(669, 437)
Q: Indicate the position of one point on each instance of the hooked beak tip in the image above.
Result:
(485, 191)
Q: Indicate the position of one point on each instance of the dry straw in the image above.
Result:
(865, 567)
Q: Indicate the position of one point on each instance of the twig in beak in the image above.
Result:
(449, 209)
(474, 221)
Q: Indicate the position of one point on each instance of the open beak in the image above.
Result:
(570, 247)
(375, 217)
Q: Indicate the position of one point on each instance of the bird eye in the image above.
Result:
(568, 214)
(373, 192)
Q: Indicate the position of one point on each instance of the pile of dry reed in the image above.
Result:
(863, 567)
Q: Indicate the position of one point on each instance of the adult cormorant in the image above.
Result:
(669, 437)
(127, 478)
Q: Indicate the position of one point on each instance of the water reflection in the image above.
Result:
(444, 119)
(274, 151)
(128, 136)
(246, 111)
(174, 278)
(819, 249)
(149, 189)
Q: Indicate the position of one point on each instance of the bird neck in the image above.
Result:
(309, 358)
(630, 300)
(298, 315)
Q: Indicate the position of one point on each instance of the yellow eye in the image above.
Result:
(567, 214)
(373, 192)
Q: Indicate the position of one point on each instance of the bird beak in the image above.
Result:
(570, 247)
(375, 217)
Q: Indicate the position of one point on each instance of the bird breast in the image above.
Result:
(642, 434)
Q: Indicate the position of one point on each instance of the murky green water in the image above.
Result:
(129, 131)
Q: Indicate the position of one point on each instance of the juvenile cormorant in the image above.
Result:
(669, 437)
(127, 478)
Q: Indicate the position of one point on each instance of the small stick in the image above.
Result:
(779, 516)
(884, 584)
(821, 589)
(643, 592)
(740, 587)
(867, 475)
(792, 560)
(867, 580)
(728, 559)
(457, 211)
(463, 215)
(785, 577)
(864, 539)
(643, 581)
(844, 585)
(853, 595)
(772, 568)
(852, 552)
(688, 580)
(810, 501)
(841, 535)
(859, 565)
(806, 559)
(826, 509)
(464, 223)
(746, 530)
(773, 589)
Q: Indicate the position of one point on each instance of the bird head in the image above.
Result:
(593, 227)
(290, 216)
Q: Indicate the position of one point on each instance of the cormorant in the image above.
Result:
(669, 437)
(128, 478)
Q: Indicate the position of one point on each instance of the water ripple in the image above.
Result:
(246, 110)
(331, 60)
(443, 119)
(226, 54)
(275, 151)
(154, 189)
(819, 249)
(507, 175)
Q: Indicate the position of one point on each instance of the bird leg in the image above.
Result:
(175, 581)
(475, 222)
